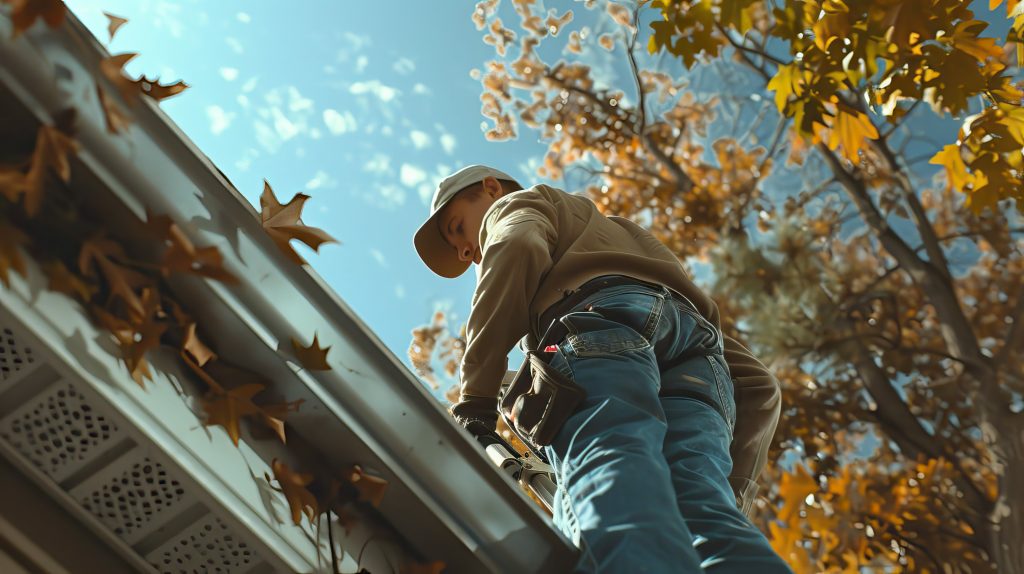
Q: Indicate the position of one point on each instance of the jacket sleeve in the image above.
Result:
(758, 404)
(517, 238)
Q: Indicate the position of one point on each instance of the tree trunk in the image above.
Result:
(1007, 516)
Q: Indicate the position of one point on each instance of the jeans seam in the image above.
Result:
(723, 400)
(651, 325)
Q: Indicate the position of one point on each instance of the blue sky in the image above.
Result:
(365, 106)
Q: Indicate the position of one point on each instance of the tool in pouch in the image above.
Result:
(540, 398)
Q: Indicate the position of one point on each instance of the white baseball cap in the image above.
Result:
(430, 244)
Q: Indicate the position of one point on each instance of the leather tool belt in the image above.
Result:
(539, 399)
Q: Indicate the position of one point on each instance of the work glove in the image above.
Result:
(472, 409)
(475, 408)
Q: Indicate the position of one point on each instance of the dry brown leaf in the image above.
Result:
(115, 23)
(273, 416)
(51, 152)
(227, 374)
(26, 12)
(11, 239)
(154, 89)
(370, 488)
(312, 357)
(138, 336)
(225, 408)
(182, 256)
(293, 486)
(117, 121)
(12, 182)
(195, 348)
(113, 68)
(62, 280)
(282, 223)
(97, 253)
(52, 146)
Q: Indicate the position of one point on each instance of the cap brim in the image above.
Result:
(436, 253)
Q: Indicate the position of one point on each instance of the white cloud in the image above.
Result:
(379, 164)
(243, 17)
(419, 139)
(374, 87)
(404, 66)
(250, 84)
(379, 257)
(426, 192)
(234, 44)
(320, 179)
(243, 100)
(386, 196)
(245, 161)
(266, 137)
(361, 63)
(219, 119)
(400, 291)
(356, 41)
(411, 175)
(448, 143)
(166, 15)
(285, 128)
(420, 89)
(296, 102)
(338, 123)
(287, 112)
(229, 74)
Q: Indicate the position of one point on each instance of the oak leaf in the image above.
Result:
(282, 223)
(956, 170)
(182, 256)
(50, 153)
(371, 488)
(26, 12)
(196, 349)
(312, 357)
(293, 486)
(137, 336)
(112, 68)
(849, 130)
(114, 117)
(226, 407)
(96, 258)
(228, 403)
(115, 23)
(62, 280)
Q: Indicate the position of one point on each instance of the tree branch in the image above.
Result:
(955, 328)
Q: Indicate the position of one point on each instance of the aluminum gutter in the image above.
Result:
(444, 496)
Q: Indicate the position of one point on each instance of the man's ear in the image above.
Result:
(492, 186)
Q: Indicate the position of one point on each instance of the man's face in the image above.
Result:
(460, 219)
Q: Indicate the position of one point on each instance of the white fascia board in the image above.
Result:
(403, 432)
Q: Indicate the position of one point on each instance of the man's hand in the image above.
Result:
(483, 410)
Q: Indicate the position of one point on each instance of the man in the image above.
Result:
(646, 482)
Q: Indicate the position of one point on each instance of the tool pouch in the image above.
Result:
(539, 399)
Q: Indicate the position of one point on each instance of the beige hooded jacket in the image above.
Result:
(539, 243)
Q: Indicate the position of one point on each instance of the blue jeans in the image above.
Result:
(643, 478)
